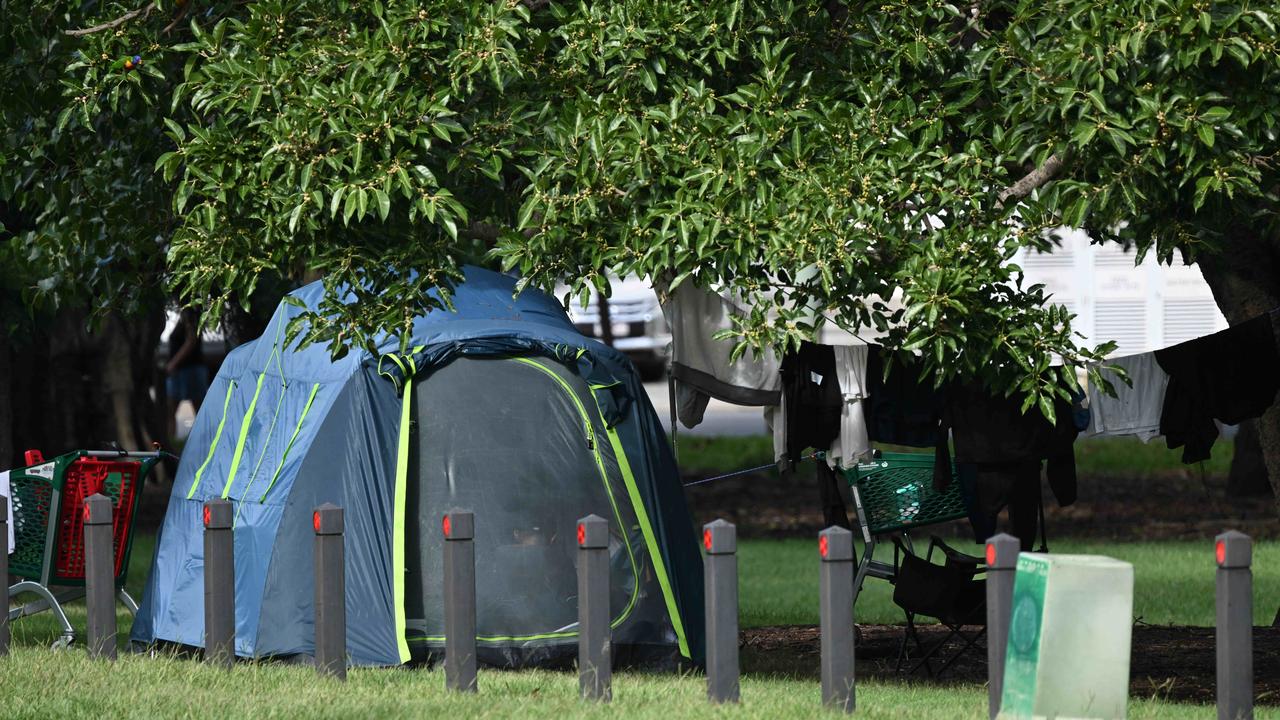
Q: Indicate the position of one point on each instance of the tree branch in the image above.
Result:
(176, 19)
(1032, 180)
(143, 11)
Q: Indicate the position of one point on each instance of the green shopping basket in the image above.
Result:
(894, 493)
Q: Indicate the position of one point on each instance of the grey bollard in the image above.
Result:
(331, 592)
(594, 652)
(1234, 553)
(1002, 561)
(99, 577)
(459, 602)
(219, 584)
(721, 577)
(835, 547)
(4, 573)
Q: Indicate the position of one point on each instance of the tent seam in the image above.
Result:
(217, 435)
(244, 435)
(646, 528)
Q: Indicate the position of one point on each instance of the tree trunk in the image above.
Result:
(606, 319)
(72, 389)
(7, 454)
(1248, 476)
(1245, 280)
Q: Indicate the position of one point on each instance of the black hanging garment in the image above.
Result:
(813, 400)
(814, 405)
(999, 452)
(1232, 375)
(904, 408)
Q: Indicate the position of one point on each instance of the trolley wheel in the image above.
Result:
(63, 642)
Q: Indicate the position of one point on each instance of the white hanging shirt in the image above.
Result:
(1134, 410)
(851, 371)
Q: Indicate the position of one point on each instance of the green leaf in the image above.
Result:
(1047, 409)
(336, 201)
(384, 203)
(1206, 134)
(1215, 114)
(1202, 189)
(1084, 132)
(176, 129)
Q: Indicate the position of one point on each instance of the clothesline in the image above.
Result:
(1272, 311)
(735, 473)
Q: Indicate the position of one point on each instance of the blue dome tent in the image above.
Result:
(501, 408)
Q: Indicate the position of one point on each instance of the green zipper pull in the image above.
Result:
(591, 436)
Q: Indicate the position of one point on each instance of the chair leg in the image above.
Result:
(969, 642)
(912, 634)
(908, 633)
(926, 655)
(864, 565)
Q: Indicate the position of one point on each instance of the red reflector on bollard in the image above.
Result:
(1220, 551)
(706, 539)
(206, 517)
(582, 534)
(822, 546)
(86, 515)
(991, 554)
(315, 521)
(446, 525)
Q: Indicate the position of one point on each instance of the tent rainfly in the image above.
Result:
(501, 408)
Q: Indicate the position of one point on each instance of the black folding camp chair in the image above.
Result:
(952, 593)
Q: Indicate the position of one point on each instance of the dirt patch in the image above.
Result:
(1167, 662)
(1181, 505)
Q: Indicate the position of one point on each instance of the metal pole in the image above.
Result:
(219, 584)
(4, 574)
(99, 577)
(720, 539)
(1234, 553)
(835, 547)
(459, 602)
(1002, 560)
(594, 635)
(331, 592)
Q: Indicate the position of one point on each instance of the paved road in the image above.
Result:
(720, 419)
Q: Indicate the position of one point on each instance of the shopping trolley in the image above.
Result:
(46, 498)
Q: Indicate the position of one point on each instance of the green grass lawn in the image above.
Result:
(39, 684)
(1107, 457)
(1174, 584)
(1173, 581)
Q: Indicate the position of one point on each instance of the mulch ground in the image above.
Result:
(1181, 505)
(1171, 663)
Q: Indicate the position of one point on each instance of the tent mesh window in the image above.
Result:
(535, 426)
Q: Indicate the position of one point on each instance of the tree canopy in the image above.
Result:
(805, 155)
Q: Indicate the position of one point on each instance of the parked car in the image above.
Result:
(639, 328)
